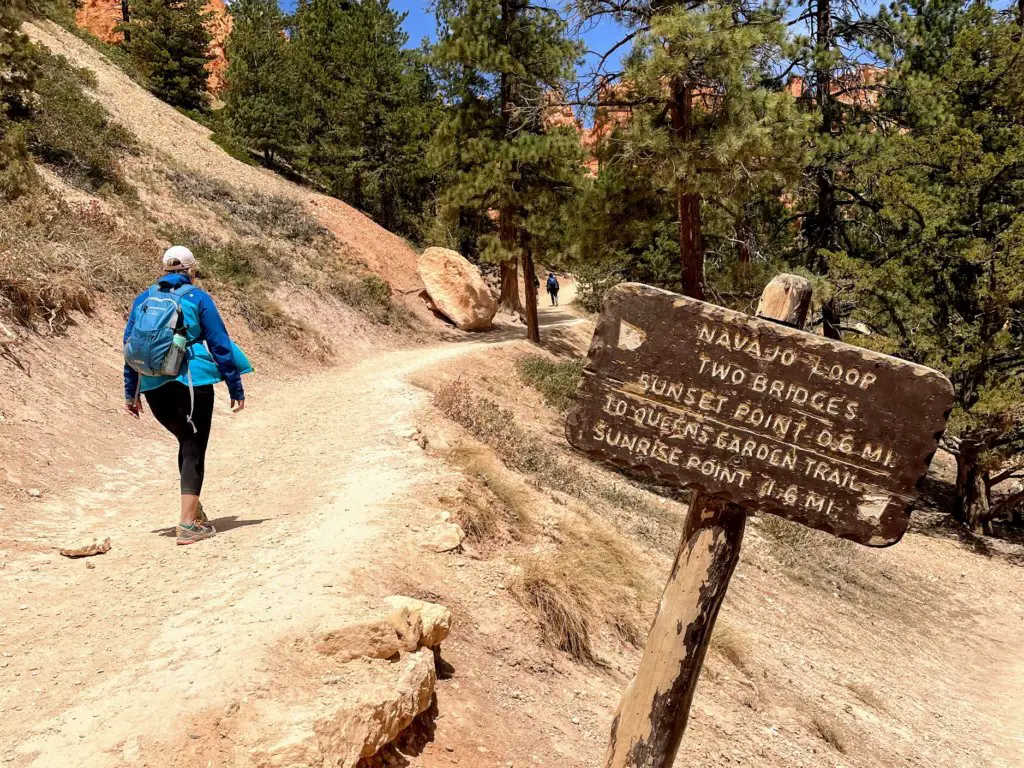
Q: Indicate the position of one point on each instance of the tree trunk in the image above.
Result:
(971, 504)
(126, 17)
(830, 319)
(530, 280)
(691, 245)
(509, 299)
(823, 235)
(508, 227)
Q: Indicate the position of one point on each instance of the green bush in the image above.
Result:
(254, 214)
(17, 173)
(370, 295)
(234, 262)
(555, 380)
(72, 132)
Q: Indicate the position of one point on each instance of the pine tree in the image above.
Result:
(170, 47)
(261, 79)
(504, 63)
(710, 128)
(840, 81)
(367, 108)
(937, 250)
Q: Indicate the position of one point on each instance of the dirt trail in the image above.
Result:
(299, 486)
(313, 489)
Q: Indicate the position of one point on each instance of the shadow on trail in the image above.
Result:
(1007, 544)
(222, 524)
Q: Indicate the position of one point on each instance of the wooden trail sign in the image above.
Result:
(814, 430)
(754, 415)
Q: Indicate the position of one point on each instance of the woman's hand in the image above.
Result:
(237, 405)
(134, 407)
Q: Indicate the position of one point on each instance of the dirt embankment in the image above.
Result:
(169, 134)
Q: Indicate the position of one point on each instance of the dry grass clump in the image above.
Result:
(817, 558)
(480, 519)
(557, 381)
(370, 295)
(588, 583)
(55, 258)
(252, 214)
(732, 644)
(500, 507)
(831, 732)
(492, 424)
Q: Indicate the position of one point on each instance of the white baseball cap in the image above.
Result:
(178, 258)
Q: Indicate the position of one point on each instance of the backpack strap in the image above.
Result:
(181, 290)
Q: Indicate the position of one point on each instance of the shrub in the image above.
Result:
(371, 295)
(492, 424)
(252, 214)
(73, 132)
(54, 258)
(557, 381)
(17, 173)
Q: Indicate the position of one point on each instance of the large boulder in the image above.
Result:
(457, 289)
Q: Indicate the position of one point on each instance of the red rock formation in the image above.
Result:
(101, 17)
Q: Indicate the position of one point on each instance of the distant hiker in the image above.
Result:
(176, 348)
(553, 288)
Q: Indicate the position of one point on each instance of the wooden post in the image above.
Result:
(652, 715)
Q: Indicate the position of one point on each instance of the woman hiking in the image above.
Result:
(176, 348)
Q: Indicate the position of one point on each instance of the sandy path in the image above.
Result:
(300, 486)
(311, 489)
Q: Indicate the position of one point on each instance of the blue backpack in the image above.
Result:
(157, 343)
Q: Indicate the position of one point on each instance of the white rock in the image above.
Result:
(436, 620)
(356, 723)
(443, 537)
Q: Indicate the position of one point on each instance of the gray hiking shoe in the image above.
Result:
(201, 515)
(190, 534)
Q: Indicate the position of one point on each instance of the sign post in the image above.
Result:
(751, 413)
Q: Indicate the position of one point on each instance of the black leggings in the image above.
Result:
(170, 405)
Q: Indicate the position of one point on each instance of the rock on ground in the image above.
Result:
(443, 537)
(436, 620)
(351, 717)
(457, 289)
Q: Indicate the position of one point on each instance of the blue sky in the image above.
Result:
(420, 23)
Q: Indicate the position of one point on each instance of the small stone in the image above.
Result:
(443, 537)
(35, 493)
(90, 565)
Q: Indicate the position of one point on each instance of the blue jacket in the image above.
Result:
(219, 359)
